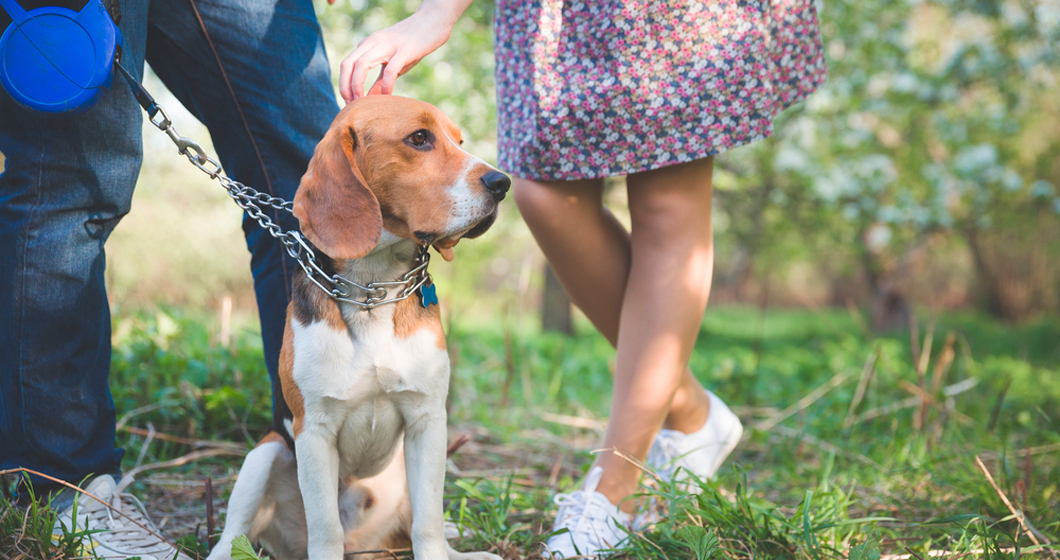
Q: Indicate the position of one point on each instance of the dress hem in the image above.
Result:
(678, 159)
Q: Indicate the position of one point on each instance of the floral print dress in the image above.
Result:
(590, 89)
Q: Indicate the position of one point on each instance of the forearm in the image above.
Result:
(445, 12)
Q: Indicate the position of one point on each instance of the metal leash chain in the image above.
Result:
(296, 245)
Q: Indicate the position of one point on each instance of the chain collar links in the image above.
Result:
(342, 288)
(337, 287)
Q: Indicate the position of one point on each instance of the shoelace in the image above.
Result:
(120, 529)
(576, 509)
(663, 454)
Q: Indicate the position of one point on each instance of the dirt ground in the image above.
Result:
(177, 502)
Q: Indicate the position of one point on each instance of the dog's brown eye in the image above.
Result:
(418, 138)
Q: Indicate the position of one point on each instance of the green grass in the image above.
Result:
(29, 533)
(828, 480)
(810, 488)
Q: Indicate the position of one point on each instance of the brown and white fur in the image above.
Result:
(359, 462)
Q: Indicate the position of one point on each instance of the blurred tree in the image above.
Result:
(926, 125)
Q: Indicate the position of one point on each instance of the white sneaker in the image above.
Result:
(700, 453)
(594, 524)
(116, 536)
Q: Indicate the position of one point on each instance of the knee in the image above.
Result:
(532, 198)
(672, 200)
(670, 218)
(666, 216)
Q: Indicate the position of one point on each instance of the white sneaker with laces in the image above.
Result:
(117, 536)
(701, 452)
(593, 522)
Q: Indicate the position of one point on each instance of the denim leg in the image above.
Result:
(265, 127)
(66, 184)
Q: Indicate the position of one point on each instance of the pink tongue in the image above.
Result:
(445, 252)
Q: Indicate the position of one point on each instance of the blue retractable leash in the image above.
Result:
(56, 60)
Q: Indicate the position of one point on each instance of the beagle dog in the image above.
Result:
(358, 463)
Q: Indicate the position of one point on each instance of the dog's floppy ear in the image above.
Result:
(334, 206)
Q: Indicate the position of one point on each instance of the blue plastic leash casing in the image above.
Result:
(56, 60)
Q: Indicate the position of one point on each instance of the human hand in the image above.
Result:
(397, 48)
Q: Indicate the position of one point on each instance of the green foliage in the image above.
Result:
(30, 532)
(714, 524)
(931, 124)
(170, 369)
(859, 489)
(192, 546)
(865, 550)
(704, 543)
(492, 516)
(242, 549)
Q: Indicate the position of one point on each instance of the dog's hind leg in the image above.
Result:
(248, 493)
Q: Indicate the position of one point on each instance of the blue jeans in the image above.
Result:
(68, 181)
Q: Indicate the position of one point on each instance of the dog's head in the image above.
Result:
(396, 164)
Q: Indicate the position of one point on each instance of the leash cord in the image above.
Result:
(296, 245)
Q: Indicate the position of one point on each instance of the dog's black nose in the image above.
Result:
(497, 184)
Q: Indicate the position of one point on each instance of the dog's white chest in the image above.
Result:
(366, 386)
(336, 364)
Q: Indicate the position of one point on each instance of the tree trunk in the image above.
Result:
(555, 305)
(995, 304)
(889, 309)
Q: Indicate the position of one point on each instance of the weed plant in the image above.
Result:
(30, 533)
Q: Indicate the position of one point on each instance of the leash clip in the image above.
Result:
(185, 146)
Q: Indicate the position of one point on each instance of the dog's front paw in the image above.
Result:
(480, 556)
(454, 555)
(452, 531)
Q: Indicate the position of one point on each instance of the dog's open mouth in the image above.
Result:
(445, 245)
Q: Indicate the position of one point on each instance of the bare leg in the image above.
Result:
(590, 252)
(666, 294)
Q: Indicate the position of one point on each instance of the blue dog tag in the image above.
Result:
(428, 295)
(56, 60)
